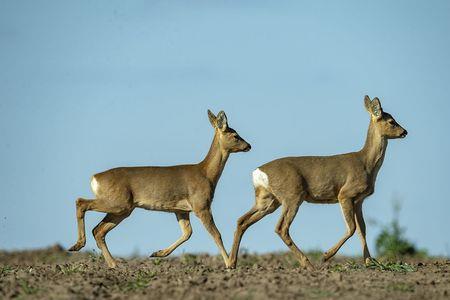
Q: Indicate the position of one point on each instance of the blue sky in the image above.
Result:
(90, 85)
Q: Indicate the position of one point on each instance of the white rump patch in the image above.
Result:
(260, 179)
(94, 185)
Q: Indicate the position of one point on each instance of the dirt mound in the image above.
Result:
(55, 273)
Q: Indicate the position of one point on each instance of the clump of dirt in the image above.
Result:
(55, 273)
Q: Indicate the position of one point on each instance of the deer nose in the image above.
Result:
(248, 148)
(405, 133)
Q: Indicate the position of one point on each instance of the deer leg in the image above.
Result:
(107, 224)
(361, 229)
(82, 205)
(349, 218)
(207, 219)
(262, 208)
(100, 205)
(186, 229)
(282, 229)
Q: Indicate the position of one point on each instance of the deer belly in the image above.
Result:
(164, 205)
(322, 195)
(321, 200)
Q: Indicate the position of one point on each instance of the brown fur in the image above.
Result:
(346, 179)
(178, 189)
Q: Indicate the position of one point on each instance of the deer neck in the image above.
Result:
(374, 149)
(214, 161)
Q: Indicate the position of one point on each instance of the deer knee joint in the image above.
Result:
(240, 222)
(81, 207)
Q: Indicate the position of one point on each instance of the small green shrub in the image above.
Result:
(391, 243)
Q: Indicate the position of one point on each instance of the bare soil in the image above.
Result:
(56, 274)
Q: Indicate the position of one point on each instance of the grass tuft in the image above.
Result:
(68, 269)
(27, 288)
(391, 266)
(141, 281)
(189, 259)
(5, 270)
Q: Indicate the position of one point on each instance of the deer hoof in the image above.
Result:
(160, 253)
(231, 265)
(76, 247)
(325, 257)
(369, 261)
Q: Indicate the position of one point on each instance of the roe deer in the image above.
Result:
(179, 189)
(346, 179)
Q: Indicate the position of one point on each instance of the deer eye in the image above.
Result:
(392, 122)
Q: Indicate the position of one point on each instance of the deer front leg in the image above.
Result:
(361, 229)
(207, 219)
(349, 218)
(186, 229)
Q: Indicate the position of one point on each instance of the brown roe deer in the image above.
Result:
(346, 179)
(179, 189)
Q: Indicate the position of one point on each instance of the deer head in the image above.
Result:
(229, 140)
(383, 122)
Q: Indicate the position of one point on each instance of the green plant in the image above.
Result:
(68, 269)
(393, 267)
(5, 270)
(94, 257)
(392, 243)
(157, 261)
(189, 259)
(141, 281)
(347, 266)
(27, 288)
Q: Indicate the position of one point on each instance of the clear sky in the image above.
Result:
(90, 85)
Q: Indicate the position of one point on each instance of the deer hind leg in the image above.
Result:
(82, 205)
(107, 224)
(347, 208)
(265, 204)
(361, 229)
(186, 229)
(282, 229)
(100, 205)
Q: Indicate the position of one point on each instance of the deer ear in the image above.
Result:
(222, 122)
(212, 119)
(367, 102)
(376, 109)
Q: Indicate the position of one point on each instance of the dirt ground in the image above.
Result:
(56, 274)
